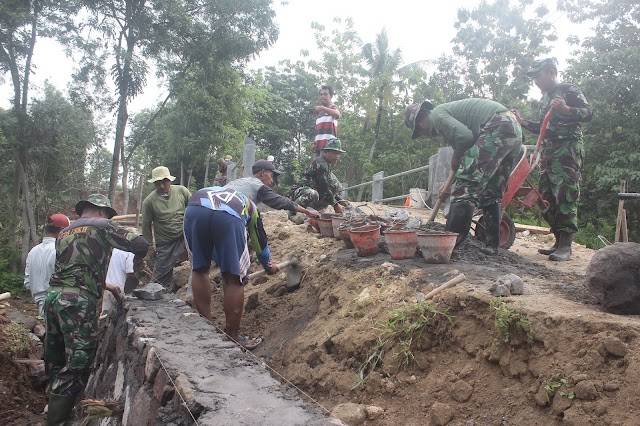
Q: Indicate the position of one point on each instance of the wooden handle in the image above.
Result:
(446, 187)
(5, 296)
(279, 265)
(455, 281)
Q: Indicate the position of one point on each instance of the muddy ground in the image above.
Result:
(578, 365)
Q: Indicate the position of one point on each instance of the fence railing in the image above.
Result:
(439, 165)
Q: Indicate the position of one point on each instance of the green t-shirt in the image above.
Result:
(460, 122)
(165, 214)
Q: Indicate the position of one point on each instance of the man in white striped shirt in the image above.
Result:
(326, 121)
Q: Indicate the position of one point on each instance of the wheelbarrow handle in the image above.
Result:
(445, 187)
(543, 131)
(280, 265)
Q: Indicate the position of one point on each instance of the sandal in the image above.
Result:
(248, 342)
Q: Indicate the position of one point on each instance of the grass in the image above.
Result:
(509, 322)
(406, 327)
(15, 339)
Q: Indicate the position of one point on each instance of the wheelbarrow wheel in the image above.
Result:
(507, 231)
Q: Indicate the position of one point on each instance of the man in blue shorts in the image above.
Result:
(216, 224)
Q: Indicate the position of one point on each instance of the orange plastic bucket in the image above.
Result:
(402, 243)
(335, 222)
(366, 239)
(345, 234)
(437, 247)
(313, 221)
(326, 228)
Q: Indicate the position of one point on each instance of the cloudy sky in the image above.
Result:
(420, 34)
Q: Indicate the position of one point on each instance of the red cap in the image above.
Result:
(58, 220)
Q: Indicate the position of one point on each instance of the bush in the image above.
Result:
(9, 281)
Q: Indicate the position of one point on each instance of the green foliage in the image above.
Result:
(557, 384)
(405, 326)
(509, 322)
(15, 340)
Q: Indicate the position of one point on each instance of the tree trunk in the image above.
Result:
(125, 183)
(139, 206)
(206, 168)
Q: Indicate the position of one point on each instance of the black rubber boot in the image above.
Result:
(459, 220)
(563, 252)
(492, 216)
(60, 409)
(553, 248)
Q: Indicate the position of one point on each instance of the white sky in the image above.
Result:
(421, 35)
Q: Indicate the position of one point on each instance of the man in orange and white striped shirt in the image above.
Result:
(326, 121)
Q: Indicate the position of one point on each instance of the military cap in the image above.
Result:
(541, 64)
(95, 200)
(334, 145)
(411, 113)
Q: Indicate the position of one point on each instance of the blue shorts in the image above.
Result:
(218, 236)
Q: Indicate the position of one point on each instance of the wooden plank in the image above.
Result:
(533, 229)
(624, 228)
(623, 188)
(125, 217)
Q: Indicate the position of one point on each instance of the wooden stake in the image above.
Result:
(623, 188)
(455, 281)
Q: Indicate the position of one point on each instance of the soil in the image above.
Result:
(20, 402)
(579, 367)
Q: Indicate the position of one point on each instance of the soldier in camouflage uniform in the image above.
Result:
(486, 140)
(318, 188)
(561, 155)
(71, 305)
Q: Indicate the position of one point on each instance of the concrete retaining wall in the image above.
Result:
(168, 366)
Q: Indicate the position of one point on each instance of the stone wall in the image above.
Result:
(168, 366)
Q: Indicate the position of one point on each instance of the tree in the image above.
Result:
(496, 44)
(174, 34)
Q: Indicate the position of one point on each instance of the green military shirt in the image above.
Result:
(562, 126)
(165, 213)
(83, 250)
(319, 177)
(460, 122)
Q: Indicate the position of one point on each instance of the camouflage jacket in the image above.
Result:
(319, 177)
(562, 126)
(83, 250)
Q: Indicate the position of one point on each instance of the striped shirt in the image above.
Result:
(326, 128)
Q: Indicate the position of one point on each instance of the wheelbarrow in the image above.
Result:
(519, 196)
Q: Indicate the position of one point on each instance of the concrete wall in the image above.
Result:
(167, 366)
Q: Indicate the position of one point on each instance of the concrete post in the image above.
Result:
(248, 156)
(345, 192)
(439, 166)
(377, 190)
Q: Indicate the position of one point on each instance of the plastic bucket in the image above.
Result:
(416, 195)
(345, 234)
(326, 228)
(402, 244)
(335, 222)
(313, 221)
(437, 247)
(366, 239)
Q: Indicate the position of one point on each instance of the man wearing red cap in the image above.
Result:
(41, 261)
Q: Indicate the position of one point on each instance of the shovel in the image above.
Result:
(446, 187)
(294, 273)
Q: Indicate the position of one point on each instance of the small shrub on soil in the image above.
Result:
(14, 340)
(559, 385)
(406, 327)
(509, 322)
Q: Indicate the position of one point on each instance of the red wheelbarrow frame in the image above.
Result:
(523, 197)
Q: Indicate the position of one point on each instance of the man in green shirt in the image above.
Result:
(163, 212)
(486, 139)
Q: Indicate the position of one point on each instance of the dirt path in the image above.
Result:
(578, 367)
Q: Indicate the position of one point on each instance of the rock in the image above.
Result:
(39, 330)
(586, 390)
(350, 413)
(280, 291)
(614, 346)
(560, 404)
(513, 282)
(178, 302)
(461, 391)
(364, 297)
(373, 412)
(252, 302)
(26, 321)
(151, 291)
(613, 277)
(541, 397)
(441, 414)
(500, 290)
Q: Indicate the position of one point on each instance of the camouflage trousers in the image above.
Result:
(560, 175)
(485, 168)
(309, 197)
(71, 340)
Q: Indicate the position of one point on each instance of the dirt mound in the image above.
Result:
(546, 357)
(20, 403)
